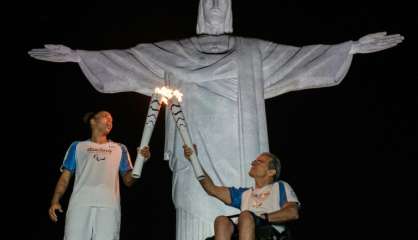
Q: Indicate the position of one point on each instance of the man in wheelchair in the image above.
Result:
(265, 208)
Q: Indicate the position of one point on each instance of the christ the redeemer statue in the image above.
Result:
(225, 80)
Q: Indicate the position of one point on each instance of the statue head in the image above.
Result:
(215, 17)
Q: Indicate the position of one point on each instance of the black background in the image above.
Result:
(349, 151)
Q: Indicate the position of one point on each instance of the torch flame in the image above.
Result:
(178, 95)
(167, 93)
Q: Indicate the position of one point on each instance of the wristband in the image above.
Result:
(266, 217)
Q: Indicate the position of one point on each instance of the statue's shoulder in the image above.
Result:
(160, 44)
(256, 42)
(252, 39)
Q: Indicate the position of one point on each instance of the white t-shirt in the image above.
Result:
(267, 199)
(96, 167)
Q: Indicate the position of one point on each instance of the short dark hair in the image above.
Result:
(274, 164)
(88, 116)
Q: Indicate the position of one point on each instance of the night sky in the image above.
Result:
(348, 151)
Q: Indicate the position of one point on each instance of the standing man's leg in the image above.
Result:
(106, 224)
(78, 223)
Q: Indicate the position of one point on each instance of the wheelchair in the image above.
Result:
(263, 233)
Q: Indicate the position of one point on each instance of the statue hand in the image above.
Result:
(55, 53)
(375, 42)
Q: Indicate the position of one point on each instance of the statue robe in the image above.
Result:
(223, 104)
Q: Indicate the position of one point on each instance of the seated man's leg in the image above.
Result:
(246, 226)
(223, 228)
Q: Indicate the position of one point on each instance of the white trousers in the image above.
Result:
(92, 223)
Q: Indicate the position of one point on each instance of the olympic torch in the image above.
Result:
(172, 99)
(152, 115)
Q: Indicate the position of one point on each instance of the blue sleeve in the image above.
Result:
(125, 161)
(286, 194)
(282, 194)
(69, 162)
(236, 195)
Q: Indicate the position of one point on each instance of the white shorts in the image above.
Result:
(95, 223)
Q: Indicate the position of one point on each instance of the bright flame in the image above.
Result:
(178, 95)
(167, 93)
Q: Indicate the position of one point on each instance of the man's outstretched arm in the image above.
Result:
(221, 193)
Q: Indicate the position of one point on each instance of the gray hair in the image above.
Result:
(274, 164)
(202, 26)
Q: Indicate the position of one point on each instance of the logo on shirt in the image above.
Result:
(259, 198)
(99, 154)
(98, 158)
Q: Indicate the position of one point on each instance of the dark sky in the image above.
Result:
(349, 151)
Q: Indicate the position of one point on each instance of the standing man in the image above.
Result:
(224, 78)
(94, 207)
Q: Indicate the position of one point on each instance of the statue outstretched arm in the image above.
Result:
(55, 53)
(109, 71)
(375, 42)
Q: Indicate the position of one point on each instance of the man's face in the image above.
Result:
(102, 122)
(215, 11)
(260, 167)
